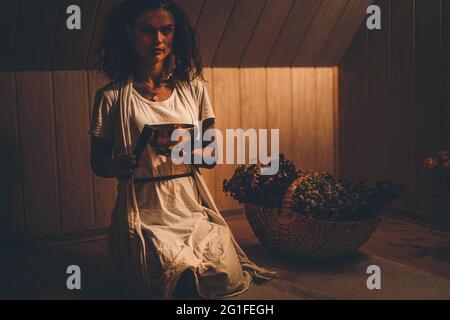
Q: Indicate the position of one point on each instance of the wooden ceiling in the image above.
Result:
(232, 33)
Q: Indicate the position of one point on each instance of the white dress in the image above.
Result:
(175, 222)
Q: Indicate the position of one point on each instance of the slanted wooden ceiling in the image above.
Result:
(232, 33)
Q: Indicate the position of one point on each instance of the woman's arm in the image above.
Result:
(103, 164)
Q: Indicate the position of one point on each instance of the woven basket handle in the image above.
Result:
(285, 214)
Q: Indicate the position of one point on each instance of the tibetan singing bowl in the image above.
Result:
(160, 139)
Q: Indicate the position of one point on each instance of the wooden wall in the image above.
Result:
(44, 125)
(300, 102)
(49, 188)
(395, 102)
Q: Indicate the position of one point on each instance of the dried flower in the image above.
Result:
(443, 154)
(439, 165)
(447, 164)
(320, 195)
(247, 185)
(430, 163)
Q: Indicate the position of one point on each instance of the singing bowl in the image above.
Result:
(163, 132)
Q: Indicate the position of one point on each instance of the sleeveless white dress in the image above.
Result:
(175, 222)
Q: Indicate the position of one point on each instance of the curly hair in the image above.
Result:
(117, 57)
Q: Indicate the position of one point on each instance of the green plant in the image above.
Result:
(320, 195)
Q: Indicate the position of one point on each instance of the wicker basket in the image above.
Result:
(303, 237)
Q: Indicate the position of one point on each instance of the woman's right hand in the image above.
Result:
(124, 166)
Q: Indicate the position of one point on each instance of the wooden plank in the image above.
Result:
(445, 109)
(35, 34)
(75, 176)
(11, 195)
(105, 190)
(325, 103)
(445, 120)
(304, 115)
(353, 122)
(336, 122)
(227, 103)
(253, 103)
(348, 168)
(279, 107)
(191, 8)
(253, 98)
(71, 46)
(238, 33)
(39, 153)
(428, 94)
(401, 149)
(211, 25)
(345, 30)
(103, 11)
(321, 28)
(360, 87)
(266, 33)
(8, 18)
(210, 174)
(379, 102)
(294, 32)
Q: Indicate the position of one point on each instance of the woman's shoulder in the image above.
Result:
(196, 87)
(110, 92)
(198, 84)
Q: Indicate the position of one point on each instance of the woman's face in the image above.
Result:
(152, 35)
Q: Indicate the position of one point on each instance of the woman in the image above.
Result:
(165, 234)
